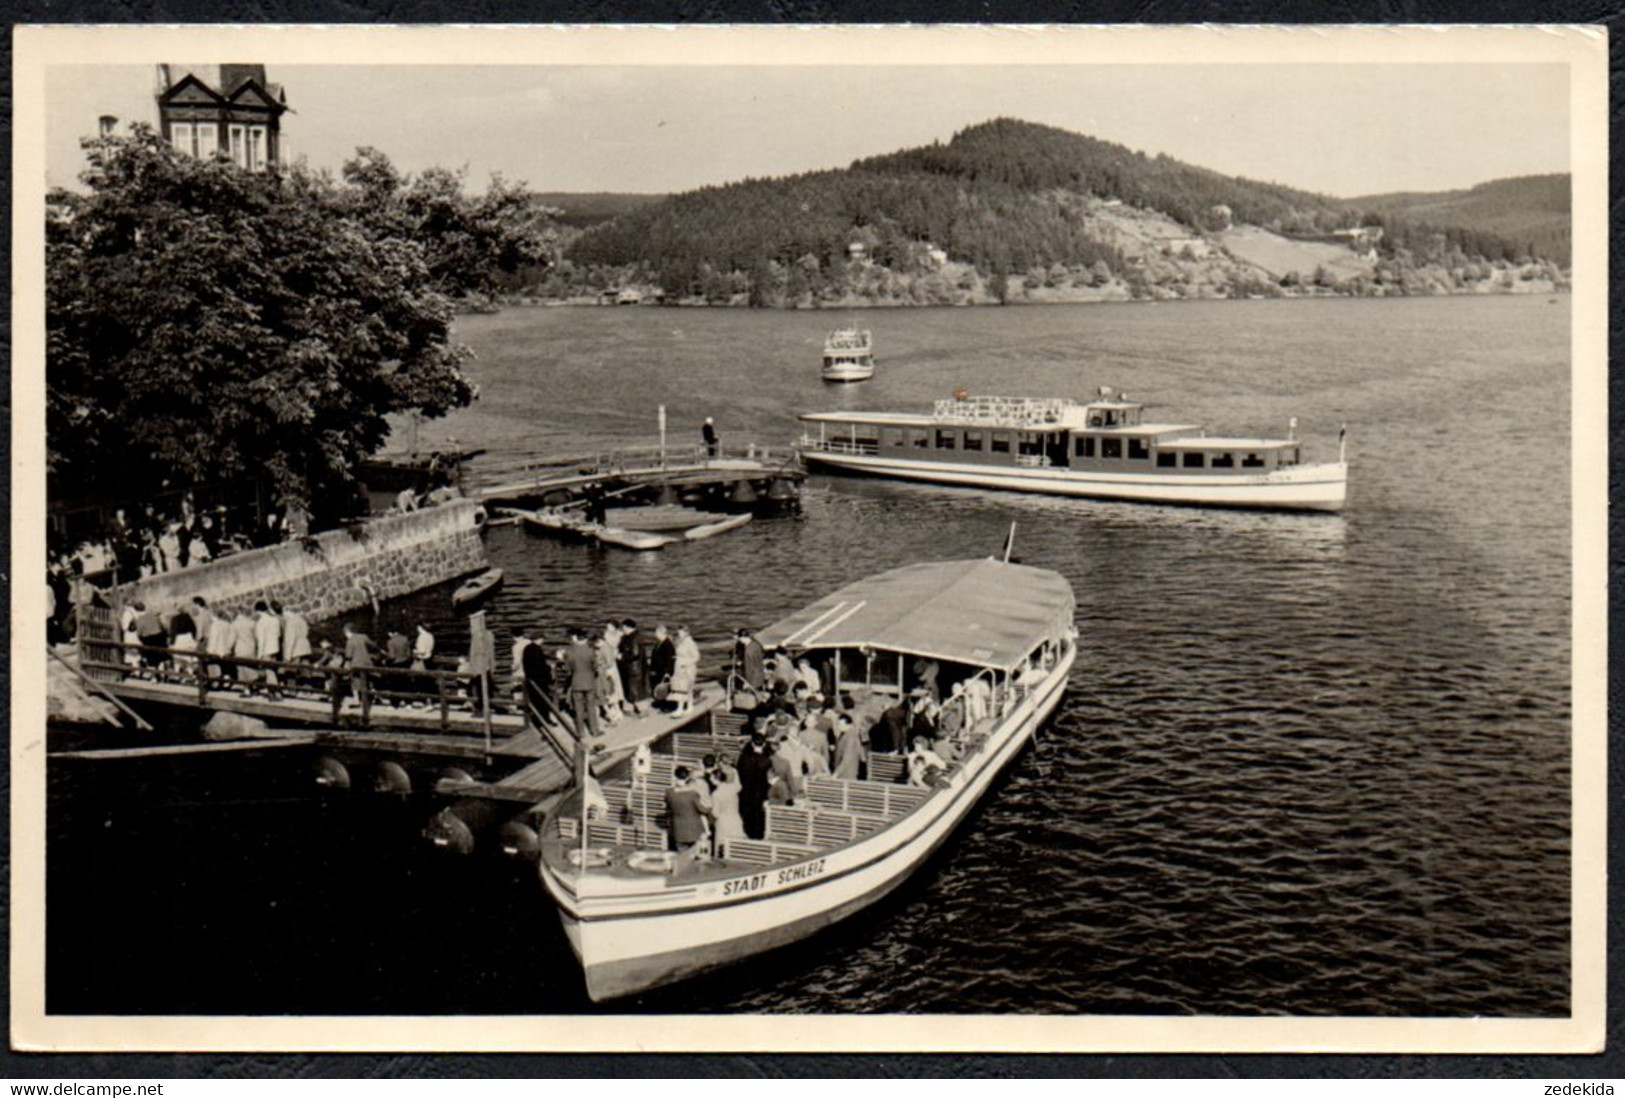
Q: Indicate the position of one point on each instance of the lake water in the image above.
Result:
(1307, 764)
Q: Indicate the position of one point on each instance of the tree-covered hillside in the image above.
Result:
(1010, 200)
(1531, 212)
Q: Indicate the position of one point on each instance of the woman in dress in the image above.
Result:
(610, 695)
(727, 824)
(685, 671)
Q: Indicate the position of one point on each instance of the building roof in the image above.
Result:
(982, 612)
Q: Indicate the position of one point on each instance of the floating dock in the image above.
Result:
(731, 479)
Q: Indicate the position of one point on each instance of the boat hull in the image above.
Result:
(632, 942)
(1298, 488)
(842, 374)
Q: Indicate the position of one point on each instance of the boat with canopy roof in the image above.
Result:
(1102, 449)
(638, 918)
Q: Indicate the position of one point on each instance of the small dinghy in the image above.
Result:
(712, 529)
(477, 587)
(662, 519)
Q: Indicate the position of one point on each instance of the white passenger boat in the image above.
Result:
(1102, 449)
(635, 922)
(849, 355)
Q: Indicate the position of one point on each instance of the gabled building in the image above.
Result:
(204, 110)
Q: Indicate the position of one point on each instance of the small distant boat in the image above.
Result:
(1100, 449)
(849, 355)
(477, 587)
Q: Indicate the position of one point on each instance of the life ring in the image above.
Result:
(651, 861)
(593, 859)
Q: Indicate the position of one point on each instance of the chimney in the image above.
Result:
(105, 124)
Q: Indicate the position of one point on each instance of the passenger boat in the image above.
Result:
(475, 588)
(638, 920)
(849, 355)
(1102, 448)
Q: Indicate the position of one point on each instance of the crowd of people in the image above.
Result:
(802, 728)
(601, 676)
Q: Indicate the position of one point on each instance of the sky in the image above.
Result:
(1343, 130)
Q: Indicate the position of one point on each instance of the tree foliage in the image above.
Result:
(206, 324)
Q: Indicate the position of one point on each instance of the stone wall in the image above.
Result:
(332, 572)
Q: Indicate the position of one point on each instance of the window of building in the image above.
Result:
(919, 437)
(180, 136)
(1222, 461)
(1111, 447)
(1167, 459)
(1252, 461)
(208, 140)
(945, 439)
(238, 145)
(1000, 443)
(1193, 459)
(973, 440)
(256, 148)
(1138, 450)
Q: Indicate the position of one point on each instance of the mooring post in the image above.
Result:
(485, 704)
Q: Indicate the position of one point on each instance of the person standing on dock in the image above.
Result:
(709, 434)
(662, 662)
(583, 664)
(295, 634)
(750, 661)
(634, 667)
(243, 646)
(267, 640)
(358, 658)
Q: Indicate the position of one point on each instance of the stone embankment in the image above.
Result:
(333, 572)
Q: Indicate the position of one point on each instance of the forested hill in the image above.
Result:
(1055, 210)
(1532, 211)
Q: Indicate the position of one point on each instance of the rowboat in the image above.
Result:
(848, 356)
(638, 918)
(712, 529)
(665, 519)
(1100, 449)
(477, 587)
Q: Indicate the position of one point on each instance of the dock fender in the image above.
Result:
(391, 777)
(330, 773)
(447, 831)
(456, 774)
(480, 517)
(518, 840)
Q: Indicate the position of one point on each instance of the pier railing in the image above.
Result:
(397, 689)
(634, 460)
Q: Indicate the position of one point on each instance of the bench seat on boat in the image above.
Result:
(886, 768)
(766, 852)
(819, 827)
(603, 833)
(865, 798)
(692, 747)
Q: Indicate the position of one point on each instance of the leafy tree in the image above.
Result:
(206, 324)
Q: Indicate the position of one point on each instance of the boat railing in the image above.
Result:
(212, 673)
(1007, 411)
(839, 445)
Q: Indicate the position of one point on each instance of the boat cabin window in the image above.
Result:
(1138, 450)
(1193, 459)
(1084, 447)
(1167, 459)
(1222, 461)
(947, 440)
(1252, 461)
(1111, 447)
(1000, 442)
(973, 440)
(894, 436)
(919, 438)
(1028, 442)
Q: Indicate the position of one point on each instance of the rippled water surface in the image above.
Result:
(1307, 764)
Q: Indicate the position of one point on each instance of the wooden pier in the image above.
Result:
(739, 475)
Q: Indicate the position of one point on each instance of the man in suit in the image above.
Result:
(709, 434)
(579, 657)
(750, 661)
(663, 660)
(754, 767)
(686, 812)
